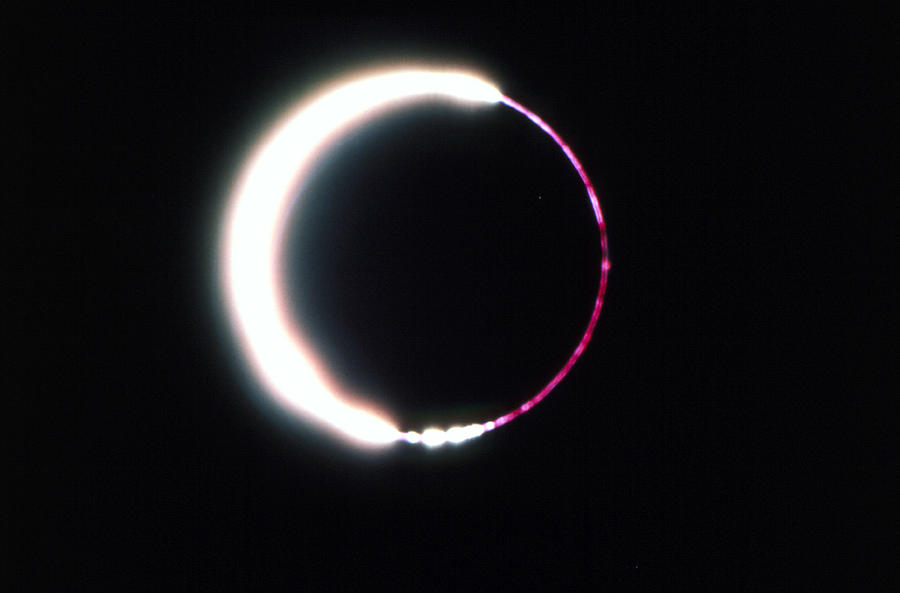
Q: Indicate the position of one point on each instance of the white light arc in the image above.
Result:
(279, 355)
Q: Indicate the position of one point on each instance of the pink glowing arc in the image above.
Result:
(601, 291)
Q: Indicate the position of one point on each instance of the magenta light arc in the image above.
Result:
(601, 290)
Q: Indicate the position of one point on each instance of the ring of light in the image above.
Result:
(278, 353)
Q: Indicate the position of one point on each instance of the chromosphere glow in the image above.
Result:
(278, 353)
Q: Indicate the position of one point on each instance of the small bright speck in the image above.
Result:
(433, 437)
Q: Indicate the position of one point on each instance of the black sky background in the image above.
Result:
(677, 455)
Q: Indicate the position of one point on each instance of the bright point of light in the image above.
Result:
(279, 354)
(432, 437)
(458, 434)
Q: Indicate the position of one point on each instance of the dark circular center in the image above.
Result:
(443, 261)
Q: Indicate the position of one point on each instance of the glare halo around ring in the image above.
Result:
(278, 353)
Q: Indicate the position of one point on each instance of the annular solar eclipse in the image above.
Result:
(280, 357)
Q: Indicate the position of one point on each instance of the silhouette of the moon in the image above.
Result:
(277, 351)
